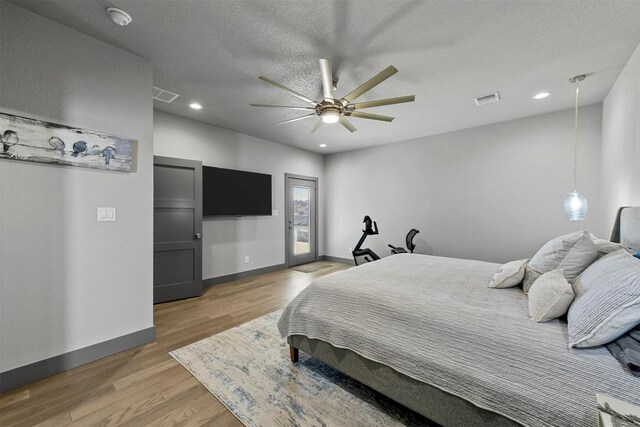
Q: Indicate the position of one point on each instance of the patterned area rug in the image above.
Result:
(311, 267)
(248, 369)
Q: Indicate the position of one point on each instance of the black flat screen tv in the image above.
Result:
(228, 192)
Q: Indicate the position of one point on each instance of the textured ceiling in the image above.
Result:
(447, 52)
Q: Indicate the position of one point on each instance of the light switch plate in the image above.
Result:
(106, 214)
(274, 212)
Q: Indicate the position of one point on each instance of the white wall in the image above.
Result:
(66, 281)
(621, 143)
(227, 241)
(492, 193)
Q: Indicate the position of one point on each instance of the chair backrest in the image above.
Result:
(410, 235)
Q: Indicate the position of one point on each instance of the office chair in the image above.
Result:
(409, 242)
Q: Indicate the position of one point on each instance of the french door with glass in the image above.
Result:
(300, 216)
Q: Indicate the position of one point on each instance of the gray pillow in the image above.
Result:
(509, 274)
(549, 297)
(607, 302)
(605, 247)
(571, 253)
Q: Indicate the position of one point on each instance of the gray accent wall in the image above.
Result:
(492, 193)
(68, 282)
(621, 143)
(227, 240)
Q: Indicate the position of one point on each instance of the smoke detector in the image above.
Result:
(119, 16)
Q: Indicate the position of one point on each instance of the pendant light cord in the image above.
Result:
(575, 142)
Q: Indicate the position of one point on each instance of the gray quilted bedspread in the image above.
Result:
(435, 320)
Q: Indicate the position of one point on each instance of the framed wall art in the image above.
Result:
(32, 140)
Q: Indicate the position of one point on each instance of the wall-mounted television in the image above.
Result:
(228, 192)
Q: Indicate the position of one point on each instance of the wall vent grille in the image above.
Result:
(164, 95)
(487, 99)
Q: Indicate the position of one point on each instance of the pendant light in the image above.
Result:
(575, 204)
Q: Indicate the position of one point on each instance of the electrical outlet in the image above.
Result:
(246, 259)
(106, 214)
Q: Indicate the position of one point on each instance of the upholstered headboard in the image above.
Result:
(630, 227)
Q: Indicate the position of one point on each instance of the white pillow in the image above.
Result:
(571, 253)
(509, 274)
(549, 297)
(605, 247)
(607, 302)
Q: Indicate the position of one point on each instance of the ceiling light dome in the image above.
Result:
(330, 115)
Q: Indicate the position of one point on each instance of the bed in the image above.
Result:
(427, 332)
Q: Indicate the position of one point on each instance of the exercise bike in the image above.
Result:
(367, 253)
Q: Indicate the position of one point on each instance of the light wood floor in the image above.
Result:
(145, 386)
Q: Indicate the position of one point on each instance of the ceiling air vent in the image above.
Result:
(487, 99)
(164, 95)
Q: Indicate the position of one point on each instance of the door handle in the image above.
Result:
(198, 236)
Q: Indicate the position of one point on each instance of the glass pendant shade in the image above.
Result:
(575, 206)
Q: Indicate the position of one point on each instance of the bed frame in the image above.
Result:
(435, 404)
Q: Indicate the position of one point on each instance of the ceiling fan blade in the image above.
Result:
(283, 106)
(381, 102)
(327, 79)
(296, 119)
(371, 83)
(371, 116)
(291, 91)
(317, 126)
(344, 122)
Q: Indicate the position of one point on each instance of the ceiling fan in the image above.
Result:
(332, 110)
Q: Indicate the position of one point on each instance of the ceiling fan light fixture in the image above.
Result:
(330, 115)
(336, 110)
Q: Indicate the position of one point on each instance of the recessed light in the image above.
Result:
(542, 95)
(119, 16)
(323, 145)
(195, 106)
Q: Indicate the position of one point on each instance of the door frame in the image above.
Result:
(287, 240)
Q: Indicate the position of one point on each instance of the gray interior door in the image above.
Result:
(177, 229)
(300, 228)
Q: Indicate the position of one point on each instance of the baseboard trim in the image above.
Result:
(336, 259)
(27, 374)
(207, 283)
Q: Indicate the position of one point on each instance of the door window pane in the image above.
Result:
(301, 204)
